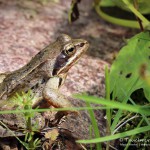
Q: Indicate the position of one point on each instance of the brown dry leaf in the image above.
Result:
(52, 134)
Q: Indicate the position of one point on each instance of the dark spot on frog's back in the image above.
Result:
(40, 54)
(128, 75)
(35, 86)
(43, 81)
(32, 88)
(148, 57)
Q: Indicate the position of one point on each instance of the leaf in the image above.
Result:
(125, 74)
(37, 142)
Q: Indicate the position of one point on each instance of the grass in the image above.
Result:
(119, 120)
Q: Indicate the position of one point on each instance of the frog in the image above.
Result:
(43, 75)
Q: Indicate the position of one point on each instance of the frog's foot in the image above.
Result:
(58, 118)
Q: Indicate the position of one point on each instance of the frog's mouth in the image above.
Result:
(64, 62)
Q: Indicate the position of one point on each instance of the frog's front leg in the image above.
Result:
(52, 95)
(54, 98)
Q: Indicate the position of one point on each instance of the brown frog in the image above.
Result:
(44, 75)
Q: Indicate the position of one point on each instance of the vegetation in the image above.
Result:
(127, 89)
(137, 7)
(24, 107)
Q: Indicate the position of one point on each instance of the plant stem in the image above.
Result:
(107, 90)
(108, 113)
(122, 22)
(29, 128)
(139, 21)
(137, 13)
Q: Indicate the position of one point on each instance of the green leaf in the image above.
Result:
(26, 136)
(37, 142)
(126, 69)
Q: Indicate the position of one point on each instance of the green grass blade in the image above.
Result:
(95, 126)
(107, 90)
(49, 109)
(114, 104)
(108, 111)
(116, 136)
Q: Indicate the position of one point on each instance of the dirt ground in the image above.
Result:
(28, 26)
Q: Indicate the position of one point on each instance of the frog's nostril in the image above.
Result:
(82, 44)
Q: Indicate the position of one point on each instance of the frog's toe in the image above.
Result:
(60, 115)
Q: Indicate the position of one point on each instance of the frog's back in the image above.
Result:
(26, 73)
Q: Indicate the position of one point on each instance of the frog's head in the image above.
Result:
(71, 51)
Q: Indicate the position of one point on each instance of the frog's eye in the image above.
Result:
(70, 51)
